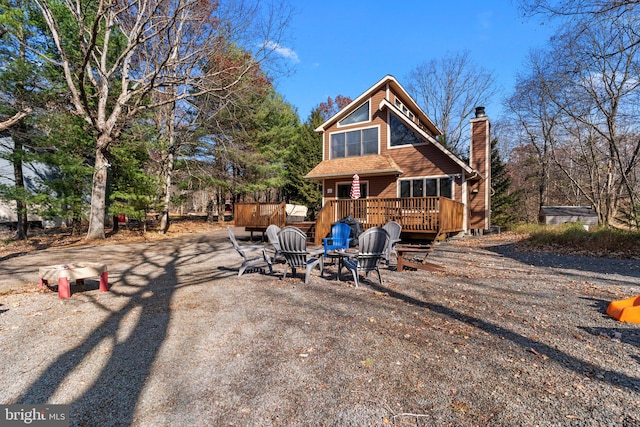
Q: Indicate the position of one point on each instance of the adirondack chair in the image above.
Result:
(272, 235)
(339, 238)
(371, 250)
(293, 246)
(252, 255)
(394, 229)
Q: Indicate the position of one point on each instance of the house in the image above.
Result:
(385, 138)
(562, 214)
(8, 210)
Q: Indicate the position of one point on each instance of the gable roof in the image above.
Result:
(386, 104)
(390, 82)
(398, 89)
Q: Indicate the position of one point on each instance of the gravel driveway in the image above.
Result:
(501, 338)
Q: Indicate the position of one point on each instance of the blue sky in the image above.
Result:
(344, 47)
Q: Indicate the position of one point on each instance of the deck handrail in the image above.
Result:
(415, 214)
(254, 214)
(324, 219)
(279, 216)
(451, 215)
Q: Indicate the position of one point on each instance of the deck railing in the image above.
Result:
(419, 214)
(259, 215)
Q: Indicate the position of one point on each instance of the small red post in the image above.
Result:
(104, 282)
(64, 289)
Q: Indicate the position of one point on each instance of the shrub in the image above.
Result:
(574, 237)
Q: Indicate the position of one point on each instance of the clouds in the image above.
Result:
(285, 52)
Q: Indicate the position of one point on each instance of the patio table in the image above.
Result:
(341, 255)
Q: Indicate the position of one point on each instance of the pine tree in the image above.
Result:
(503, 201)
(302, 157)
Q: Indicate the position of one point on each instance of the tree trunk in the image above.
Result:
(98, 197)
(164, 221)
(542, 187)
(21, 206)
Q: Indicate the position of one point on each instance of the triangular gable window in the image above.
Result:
(360, 115)
(401, 134)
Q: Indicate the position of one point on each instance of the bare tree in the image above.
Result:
(332, 106)
(599, 67)
(124, 52)
(448, 90)
(585, 13)
(571, 8)
(536, 119)
(591, 79)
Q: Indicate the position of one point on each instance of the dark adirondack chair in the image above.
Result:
(372, 249)
(252, 255)
(394, 229)
(272, 235)
(293, 246)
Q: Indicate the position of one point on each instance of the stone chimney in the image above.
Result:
(480, 161)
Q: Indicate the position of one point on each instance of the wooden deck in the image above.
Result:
(421, 215)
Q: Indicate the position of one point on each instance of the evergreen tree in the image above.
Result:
(65, 155)
(132, 191)
(19, 83)
(275, 133)
(301, 158)
(503, 201)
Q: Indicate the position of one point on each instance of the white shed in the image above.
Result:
(563, 214)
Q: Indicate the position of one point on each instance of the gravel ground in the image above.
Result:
(501, 338)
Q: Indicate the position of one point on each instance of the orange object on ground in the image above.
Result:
(625, 310)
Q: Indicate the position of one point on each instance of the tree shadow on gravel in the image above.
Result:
(627, 335)
(565, 360)
(629, 268)
(112, 397)
(623, 335)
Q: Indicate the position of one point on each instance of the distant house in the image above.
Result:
(567, 214)
(386, 138)
(8, 211)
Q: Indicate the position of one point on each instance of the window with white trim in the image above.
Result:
(358, 142)
(423, 187)
(404, 109)
(401, 134)
(361, 114)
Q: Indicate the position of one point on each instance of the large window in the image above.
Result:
(426, 187)
(361, 114)
(401, 134)
(354, 143)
